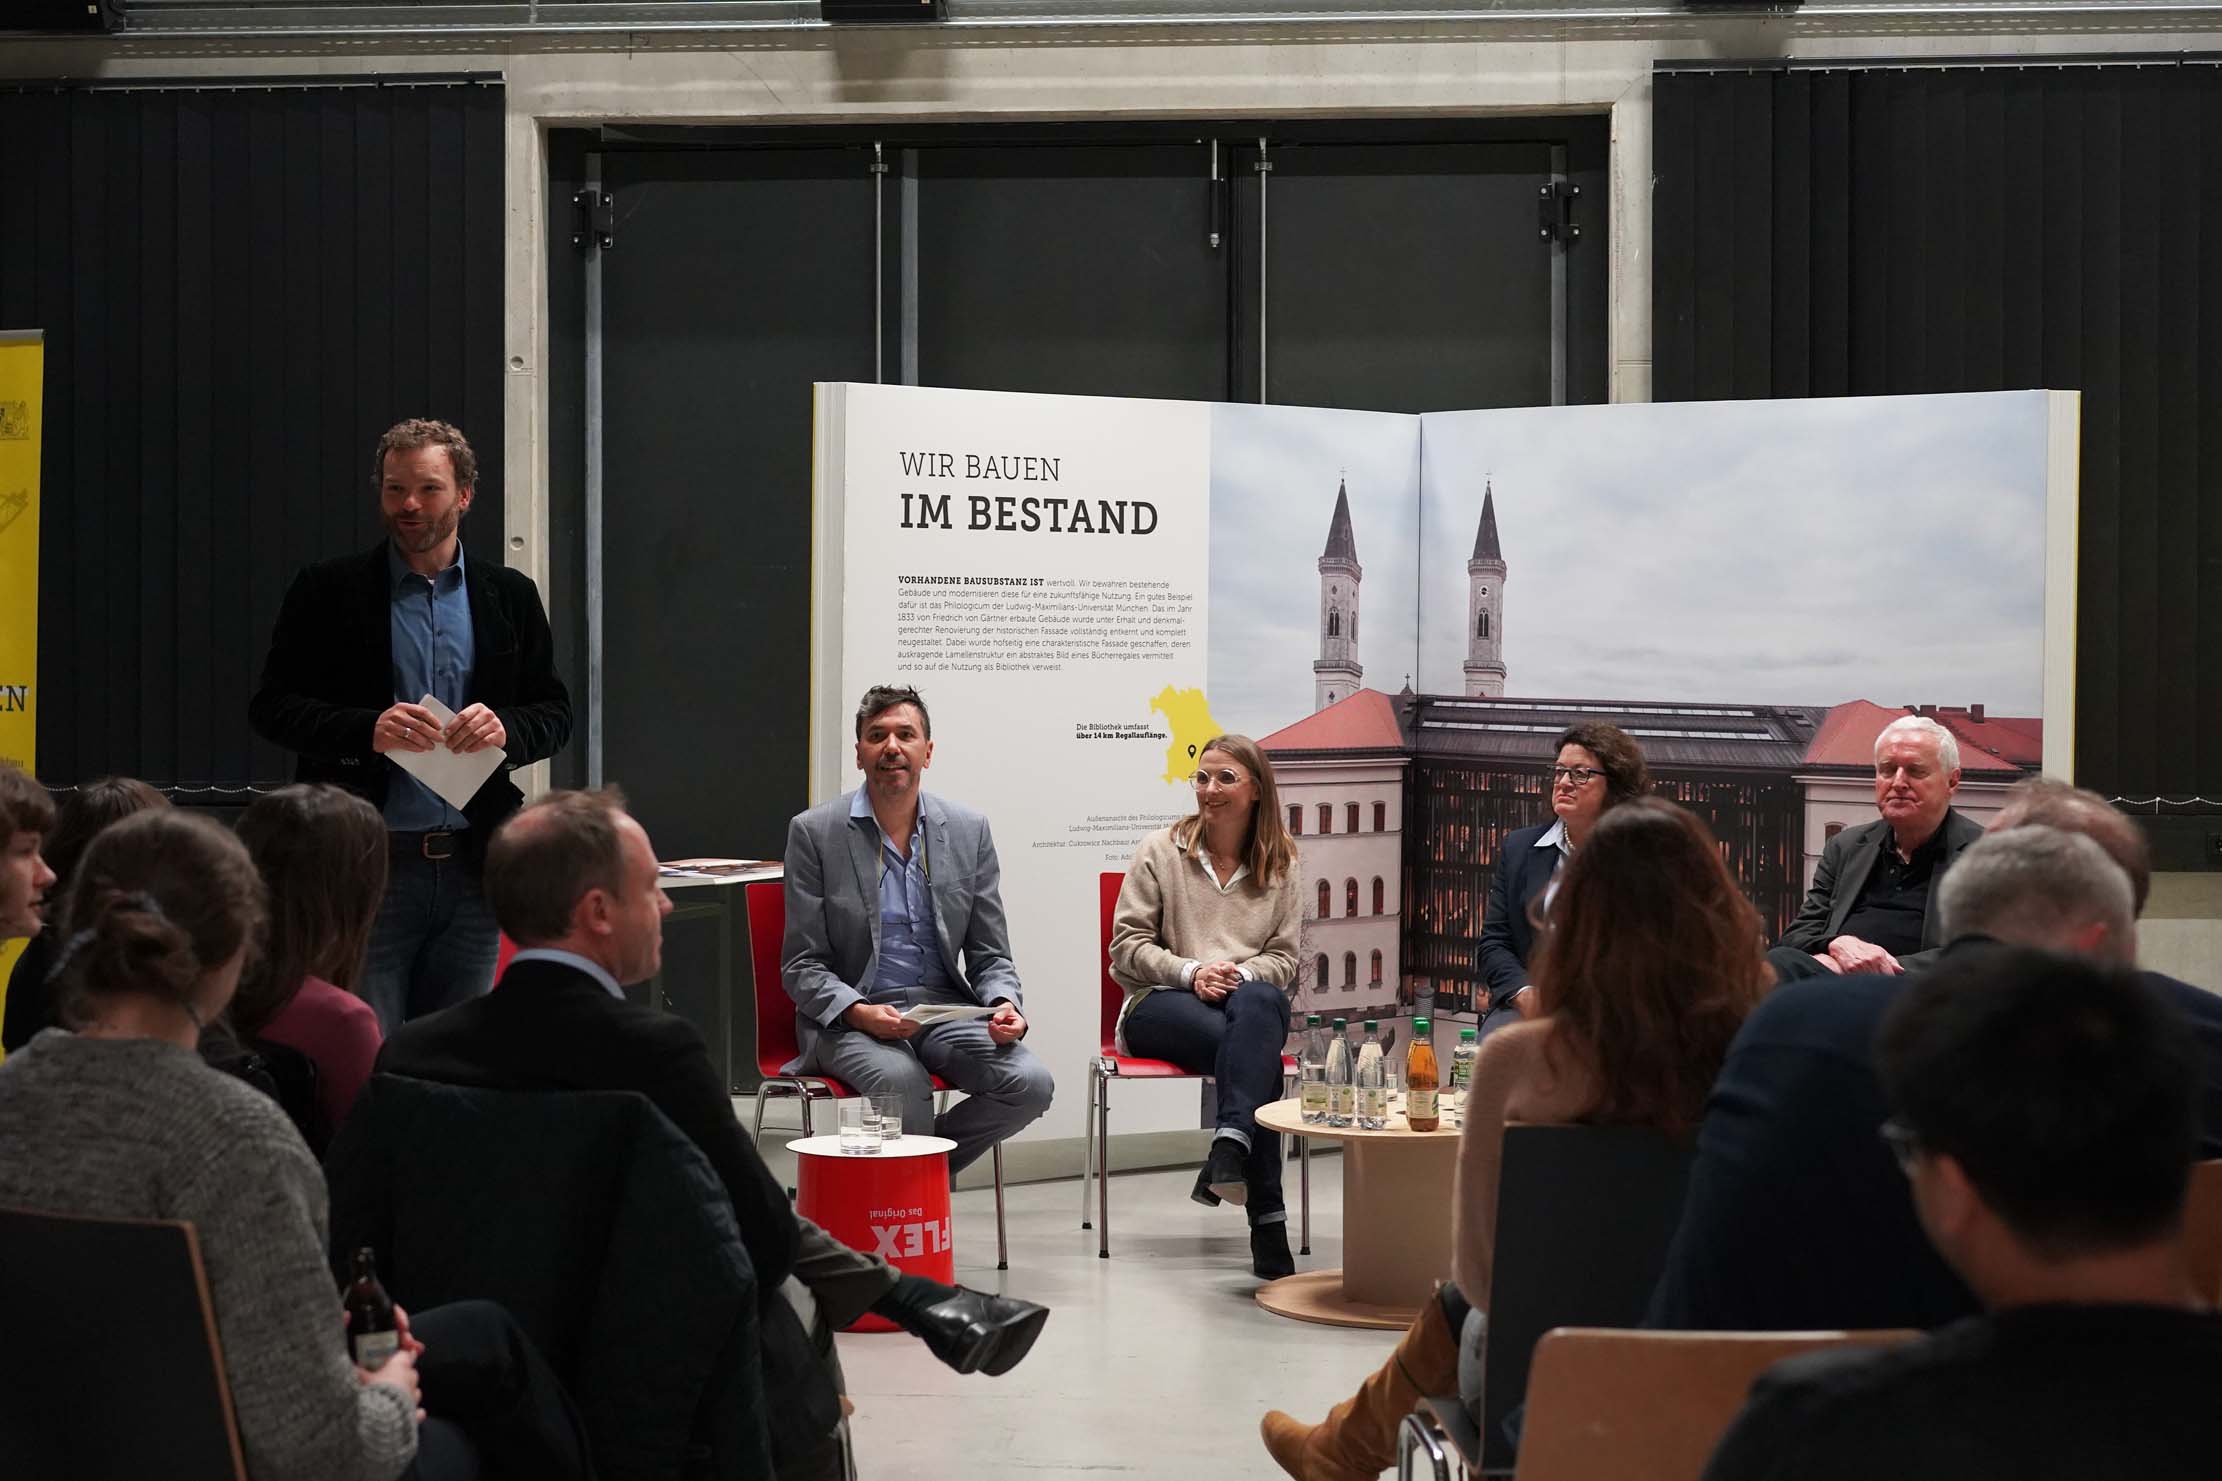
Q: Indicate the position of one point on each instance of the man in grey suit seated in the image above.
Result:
(894, 902)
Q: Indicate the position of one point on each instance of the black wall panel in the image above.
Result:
(240, 289)
(1876, 230)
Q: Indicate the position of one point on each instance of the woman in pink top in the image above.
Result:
(322, 854)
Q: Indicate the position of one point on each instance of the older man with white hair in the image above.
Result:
(1869, 908)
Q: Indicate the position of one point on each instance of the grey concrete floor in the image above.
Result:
(1155, 1363)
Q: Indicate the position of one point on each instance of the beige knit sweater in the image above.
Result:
(1170, 913)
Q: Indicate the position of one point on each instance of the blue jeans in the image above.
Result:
(1238, 1041)
(434, 944)
(1005, 1087)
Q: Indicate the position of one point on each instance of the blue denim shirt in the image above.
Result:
(433, 651)
(910, 968)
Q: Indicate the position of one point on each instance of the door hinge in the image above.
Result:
(593, 220)
(1554, 211)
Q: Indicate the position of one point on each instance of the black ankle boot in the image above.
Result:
(1222, 1176)
(1269, 1256)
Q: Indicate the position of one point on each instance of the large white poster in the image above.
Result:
(1036, 566)
(1404, 610)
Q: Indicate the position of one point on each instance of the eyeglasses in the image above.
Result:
(1225, 778)
(1578, 775)
(1905, 1144)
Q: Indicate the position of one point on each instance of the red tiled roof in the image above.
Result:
(1364, 721)
(1996, 743)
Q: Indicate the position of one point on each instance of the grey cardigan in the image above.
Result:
(142, 1129)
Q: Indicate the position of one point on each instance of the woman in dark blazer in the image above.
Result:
(1598, 767)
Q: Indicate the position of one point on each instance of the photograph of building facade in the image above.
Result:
(1400, 803)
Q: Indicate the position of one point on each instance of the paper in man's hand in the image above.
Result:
(456, 778)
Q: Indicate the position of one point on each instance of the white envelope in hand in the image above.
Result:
(456, 778)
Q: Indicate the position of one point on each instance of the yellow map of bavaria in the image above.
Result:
(1189, 717)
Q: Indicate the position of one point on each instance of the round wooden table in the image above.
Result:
(1396, 1192)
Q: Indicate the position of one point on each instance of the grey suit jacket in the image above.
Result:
(832, 942)
(1846, 862)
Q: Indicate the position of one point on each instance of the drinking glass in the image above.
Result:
(860, 1128)
(890, 1106)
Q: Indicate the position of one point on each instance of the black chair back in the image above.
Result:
(111, 1364)
(603, 1232)
(1584, 1217)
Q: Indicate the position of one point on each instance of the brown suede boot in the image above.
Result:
(1357, 1440)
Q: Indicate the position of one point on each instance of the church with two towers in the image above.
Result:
(1337, 673)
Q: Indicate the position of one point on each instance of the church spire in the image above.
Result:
(1342, 543)
(1336, 673)
(1485, 582)
(1485, 538)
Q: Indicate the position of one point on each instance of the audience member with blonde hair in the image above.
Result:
(1204, 942)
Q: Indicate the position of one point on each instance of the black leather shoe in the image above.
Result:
(1202, 1191)
(975, 1332)
(1269, 1256)
(1223, 1170)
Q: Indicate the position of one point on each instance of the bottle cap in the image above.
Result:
(1419, 1025)
(1342, 1023)
(1465, 1033)
(1311, 1020)
(1371, 1025)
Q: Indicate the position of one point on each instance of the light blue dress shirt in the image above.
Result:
(433, 653)
(910, 969)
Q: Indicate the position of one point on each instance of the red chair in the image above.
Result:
(776, 1045)
(1108, 1064)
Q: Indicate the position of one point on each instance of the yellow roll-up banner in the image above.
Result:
(22, 383)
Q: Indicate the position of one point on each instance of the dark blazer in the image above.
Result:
(329, 676)
(1846, 861)
(1507, 935)
(1797, 1217)
(547, 1026)
(600, 1229)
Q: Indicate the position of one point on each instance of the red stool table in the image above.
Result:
(893, 1203)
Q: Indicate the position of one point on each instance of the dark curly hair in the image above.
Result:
(1626, 776)
(419, 432)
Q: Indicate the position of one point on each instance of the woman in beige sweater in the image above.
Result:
(1204, 943)
(1649, 963)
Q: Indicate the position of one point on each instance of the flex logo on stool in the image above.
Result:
(905, 1232)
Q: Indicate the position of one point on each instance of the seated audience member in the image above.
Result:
(1650, 963)
(321, 852)
(116, 1117)
(1869, 908)
(2078, 810)
(2042, 1111)
(1796, 1217)
(26, 881)
(1598, 767)
(573, 881)
(894, 900)
(89, 809)
(1204, 942)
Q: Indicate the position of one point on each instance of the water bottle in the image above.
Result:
(1341, 1093)
(1311, 1070)
(1373, 1081)
(1462, 1072)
